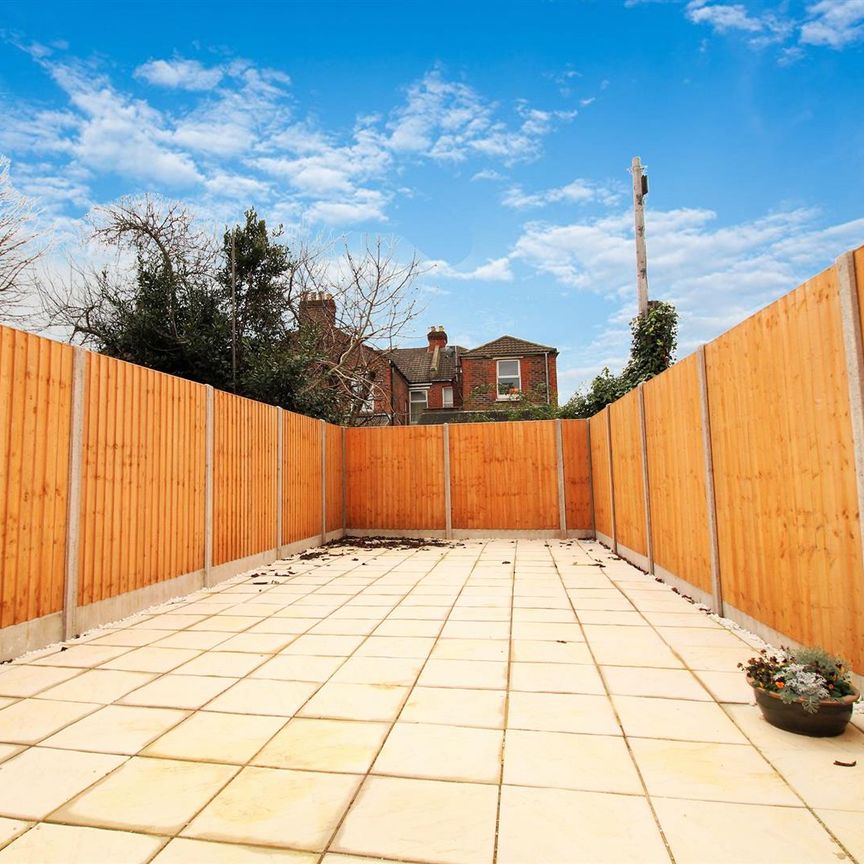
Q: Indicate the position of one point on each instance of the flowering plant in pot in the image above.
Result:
(806, 690)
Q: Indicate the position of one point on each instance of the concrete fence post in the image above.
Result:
(559, 461)
(344, 481)
(853, 342)
(611, 480)
(280, 479)
(711, 501)
(74, 501)
(646, 481)
(323, 481)
(448, 503)
(590, 477)
(208, 483)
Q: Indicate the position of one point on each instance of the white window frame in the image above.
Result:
(502, 397)
(366, 399)
(425, 403)
(445, 401)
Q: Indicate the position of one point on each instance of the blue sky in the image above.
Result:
(492, 138)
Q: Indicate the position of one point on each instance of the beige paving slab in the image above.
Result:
(228, 664)
(97, 685)
(848, 827)
(178, 691)
(593, 763)
(226, 623)
(629, 646)
(256, 643)
(279, 807)
(150, 795)
(151, 659)
(568, 827)
(760, 833)
(471, 649)
(323, 646)
(345, 746)
(476, 630)
(40, 779)
(395, 647)
(542, 651)
(421, 820)
(262, 696)
(714, 658)
(356, 701)
(7, 751)
(675, 719)
(82, 656)
(819, 782)
(379, 670)
(11, 828)
(556, 678)
(709, 772)
(455, 707)
(391, 627)
(29, 680)
(298, 668)
(662, 683)
(471, 674)
(70, 844)
(727, 686)
(30, 720)
(123, 729)
(182, 850)
(345, 626)
(200, 639)
(561, 712)
(441, 752)
(211, 736)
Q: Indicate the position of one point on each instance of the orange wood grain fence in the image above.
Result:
(142, 483)
(35, 416)
(754, 452)
(118, 483)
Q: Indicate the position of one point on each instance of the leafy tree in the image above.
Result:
(654, 339)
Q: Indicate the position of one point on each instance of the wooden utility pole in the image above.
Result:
(234, 310)
(640, 190)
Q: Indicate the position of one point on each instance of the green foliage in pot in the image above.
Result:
(805, 675)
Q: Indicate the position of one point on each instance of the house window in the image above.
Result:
(447, 397)
(362, 392)
(509, 379)
(419, 403)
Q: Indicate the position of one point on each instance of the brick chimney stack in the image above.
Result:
(317, 308)
(437, 338)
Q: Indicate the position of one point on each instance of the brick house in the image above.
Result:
(438, 383)
(454, 384)
(384, 388)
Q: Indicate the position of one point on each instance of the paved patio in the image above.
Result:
(527, 703)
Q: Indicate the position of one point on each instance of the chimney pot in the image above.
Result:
(437, 338)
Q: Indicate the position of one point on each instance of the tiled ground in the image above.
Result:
(526, 703)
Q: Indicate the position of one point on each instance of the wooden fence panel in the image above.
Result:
(395, 478)
(301, 477)
(629, 486)
(142, 479)
(504, 475)
(244, 477)
(787, 509)
(600, 474)
(334, 477)
(35, 413)
(676, 473)
(577, 478)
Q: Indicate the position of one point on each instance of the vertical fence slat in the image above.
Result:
(73, 513)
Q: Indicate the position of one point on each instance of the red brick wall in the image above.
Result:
(480, 381)
(400, 400)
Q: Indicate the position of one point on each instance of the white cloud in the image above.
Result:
(723, 16)
(577, 192)
(494, 270)
(179, 74)
(715, 275)
(835, 23)
(450, 121)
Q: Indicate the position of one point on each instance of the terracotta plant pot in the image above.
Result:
(830, 720)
